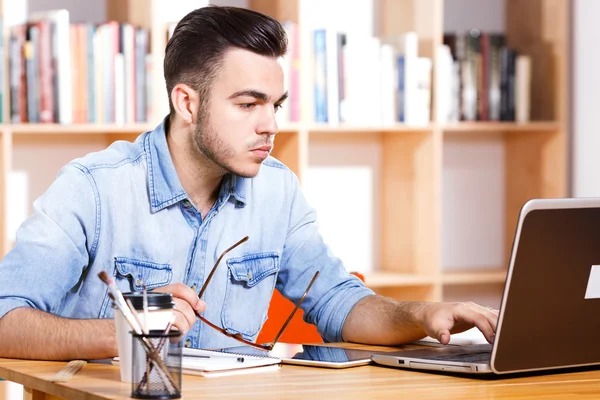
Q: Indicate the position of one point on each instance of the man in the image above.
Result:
(160, 211)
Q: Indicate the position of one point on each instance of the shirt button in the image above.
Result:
(188, 342)
(249, 276)
(139, 282)
(187, 204)
(193, 288)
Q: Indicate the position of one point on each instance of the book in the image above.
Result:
(522, 88)
(55, 65)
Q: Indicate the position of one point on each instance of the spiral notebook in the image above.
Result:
(213, 363)
(210, 363)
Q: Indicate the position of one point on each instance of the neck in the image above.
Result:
(200, 177)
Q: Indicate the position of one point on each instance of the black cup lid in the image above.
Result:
(155, 300)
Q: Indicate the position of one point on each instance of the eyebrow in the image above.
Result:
(283, 97)
(257, 95)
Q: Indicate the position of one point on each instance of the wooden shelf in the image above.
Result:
(466, 127)
(392, 279)
(461, 127)
(50, 129)
(36, 129)
(343, 128)
(474, 276)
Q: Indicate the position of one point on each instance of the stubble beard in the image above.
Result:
(210, 145)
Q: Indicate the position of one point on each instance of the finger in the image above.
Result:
(181, 322)
(489, 312)
(477, 319)
(493, 311)
(443, 336)
(184, 308)
(492, 317)
(183, 292)
(440, 329)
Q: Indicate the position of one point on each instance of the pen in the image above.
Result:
(145, 305)
(215, 357)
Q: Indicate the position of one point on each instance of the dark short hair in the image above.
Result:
(196, 49)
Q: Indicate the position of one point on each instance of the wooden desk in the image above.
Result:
(101, 381)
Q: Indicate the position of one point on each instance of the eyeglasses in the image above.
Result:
(238, 336)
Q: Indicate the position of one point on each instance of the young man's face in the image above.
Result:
(237, 128)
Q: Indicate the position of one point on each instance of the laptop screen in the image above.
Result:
(547, 321)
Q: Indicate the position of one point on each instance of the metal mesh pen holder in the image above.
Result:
(156, 365)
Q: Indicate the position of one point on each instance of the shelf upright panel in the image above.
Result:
(537, 163)
(5, 166)
(412, 162)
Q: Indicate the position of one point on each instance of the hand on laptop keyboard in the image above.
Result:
(442, 319)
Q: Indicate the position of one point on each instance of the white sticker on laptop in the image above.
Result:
(593, 286)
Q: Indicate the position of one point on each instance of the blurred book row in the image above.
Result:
(88, 73)
(368, 81)
(481, 79)
(78, 73)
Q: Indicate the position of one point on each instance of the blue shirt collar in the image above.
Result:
(165, 186)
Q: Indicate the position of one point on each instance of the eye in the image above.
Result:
(247, 106)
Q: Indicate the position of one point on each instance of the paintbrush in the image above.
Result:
(68, 371)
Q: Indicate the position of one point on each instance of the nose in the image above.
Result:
(268, 123)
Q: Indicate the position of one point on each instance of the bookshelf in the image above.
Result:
(407, 246)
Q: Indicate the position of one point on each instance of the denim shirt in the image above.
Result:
(123, 210)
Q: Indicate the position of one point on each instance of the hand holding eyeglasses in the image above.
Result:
(187, 304)
(238, 336)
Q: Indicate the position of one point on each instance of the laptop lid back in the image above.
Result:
(550, 312)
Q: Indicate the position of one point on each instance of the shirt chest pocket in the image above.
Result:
(250, 283)
(132, 274)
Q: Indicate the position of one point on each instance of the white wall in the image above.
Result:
(586, 88)
(460, 15)
(79, 11)
(95, 10)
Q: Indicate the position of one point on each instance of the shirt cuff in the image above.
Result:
(344, 303)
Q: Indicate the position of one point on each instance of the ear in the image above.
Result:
(185, 102)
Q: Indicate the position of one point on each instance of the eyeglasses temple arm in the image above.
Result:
(234, 336)
(212, 272)
(295, 309)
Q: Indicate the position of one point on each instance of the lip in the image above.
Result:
(262, 152)
(266, 148)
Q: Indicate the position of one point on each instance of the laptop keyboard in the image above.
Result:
(482, 356)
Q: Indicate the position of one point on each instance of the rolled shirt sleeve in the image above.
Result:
(53, 246)
(335, 291)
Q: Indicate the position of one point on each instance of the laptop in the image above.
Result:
(549, 316)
